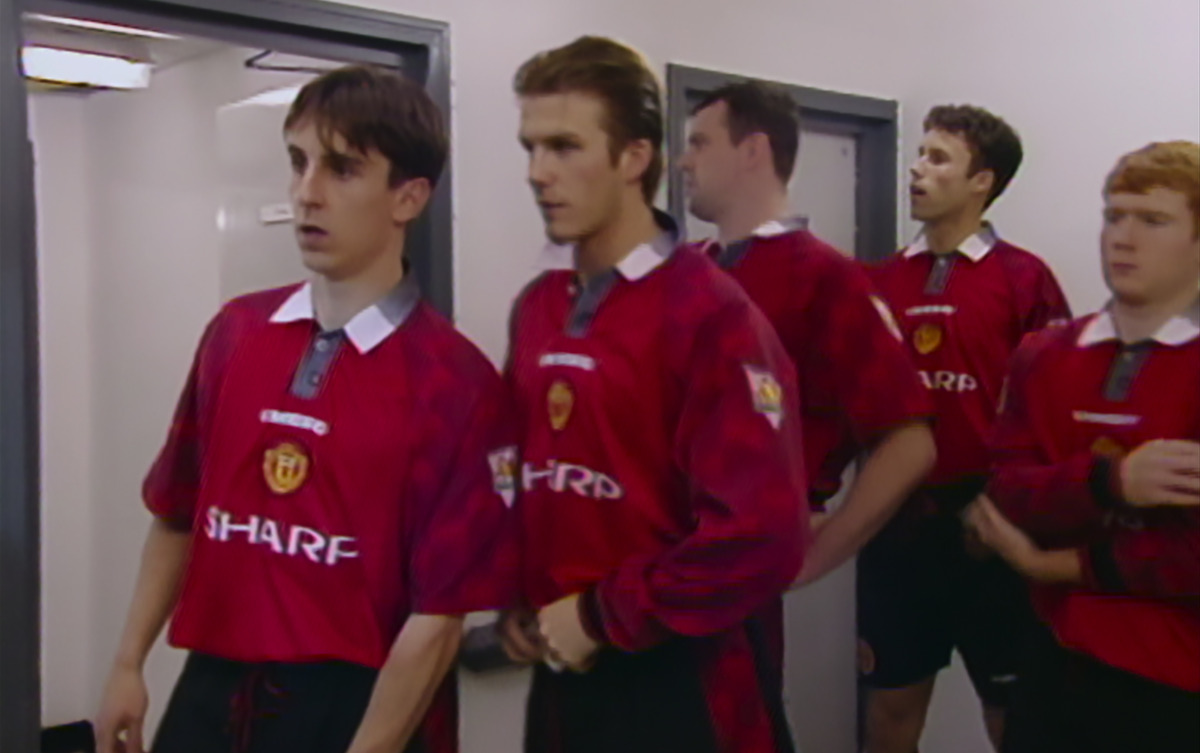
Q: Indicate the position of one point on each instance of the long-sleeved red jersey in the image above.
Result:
(963, 315)
(856, 380)
(661, 465)
(1077, 401)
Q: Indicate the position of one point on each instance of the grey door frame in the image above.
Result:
(314, 28)
(871, 121)
(20, 703)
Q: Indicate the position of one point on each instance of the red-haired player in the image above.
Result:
(1098, 469)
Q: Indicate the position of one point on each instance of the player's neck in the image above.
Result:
(946, 234)
(632, 226)
(1139, 321)
(748, 215)
(337, 301)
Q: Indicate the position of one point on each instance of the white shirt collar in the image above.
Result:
(638, 263)
(369, 327)
(1178, 330)
(974, 248)
(772, 228)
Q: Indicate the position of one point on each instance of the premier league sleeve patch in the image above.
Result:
(504, 474)
(766, 394)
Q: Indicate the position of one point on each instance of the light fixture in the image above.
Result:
(84, 68)
(79, 23)
(272, 97)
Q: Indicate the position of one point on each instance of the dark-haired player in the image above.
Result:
(964, 298)
(334, 492)
(860, 389)
(664, 497)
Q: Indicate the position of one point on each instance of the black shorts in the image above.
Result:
(921, 595)
(1070, 703)
(222, 706)
(661, 701)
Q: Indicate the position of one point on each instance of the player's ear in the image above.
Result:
(981, 182)
(409, 200)
(758, 148)
(635, 160)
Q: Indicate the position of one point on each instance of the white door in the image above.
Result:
(819, 673)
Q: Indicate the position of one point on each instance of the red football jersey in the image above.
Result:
(856, 380)
(1077, 400)
(662, 462)
(336, 483)
(962, 316)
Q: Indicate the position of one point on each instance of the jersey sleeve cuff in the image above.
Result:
(591, 616)
(1104, 482)
(179, 522)
(1100, 569)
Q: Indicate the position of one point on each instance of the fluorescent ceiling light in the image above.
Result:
(97, 26)
(284, 96)
(84, 68)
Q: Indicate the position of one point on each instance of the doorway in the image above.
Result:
(160, 187)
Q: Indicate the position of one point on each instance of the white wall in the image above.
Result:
(64, 221)
(1083, 82)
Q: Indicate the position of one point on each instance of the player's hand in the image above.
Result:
(520, 638)
(998, 534)
(566, 639)
(122, 712)
(973, 545)
(1162, 472)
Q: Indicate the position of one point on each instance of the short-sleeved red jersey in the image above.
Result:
(1078, 400)
(336, 483)
(856, 380)
(962, 316)
(662, 462)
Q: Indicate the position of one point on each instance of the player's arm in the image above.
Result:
(169, 492)
(1159, 560)
(407, 683)
(889, 411)
(125, 700)
(1162, 560)
(164, 555)
(892, 470)
(1044, 497)
(461, 555)
(738, 444)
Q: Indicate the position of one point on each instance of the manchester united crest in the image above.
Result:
(766, 393)
(927, 338)
(285, 467)
(560, 401)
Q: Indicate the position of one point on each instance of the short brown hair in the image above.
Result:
(1173, 165)
(994, 144)
(375, 108)
(759, 107)
(616, 74)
